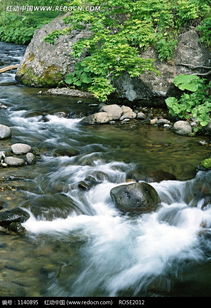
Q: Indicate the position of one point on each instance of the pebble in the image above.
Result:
(141, 116)
(163, 121)
(30, 158)
(167, 125)
(153, 121)
(125, 121)
(203, 142)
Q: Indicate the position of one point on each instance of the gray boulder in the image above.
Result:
(20, 148)
(189, 51)
(45, 64)
(135, 198)
(5, 131)
(182, 128)
(14, 161)
(114, 111)
(96, 118)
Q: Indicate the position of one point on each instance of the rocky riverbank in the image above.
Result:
(16, 155)
(112, 113)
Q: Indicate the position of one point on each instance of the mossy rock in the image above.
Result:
(206, 163)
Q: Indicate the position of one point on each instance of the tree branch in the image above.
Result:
(203, 74)
(193, 66)
(8, 68)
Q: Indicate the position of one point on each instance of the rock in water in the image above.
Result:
(127, 113)
(30, 157)
(182, 128)
(96, 118)
(114, 111)
(5, 131)
(12, 219)
(14, 161)
(20, 148)
(141, 116)
(135, 198)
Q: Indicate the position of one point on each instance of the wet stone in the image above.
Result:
(20, 148)
(30, 158)
(5, 131)
(135, 198)
(14, 161)
(12, 219)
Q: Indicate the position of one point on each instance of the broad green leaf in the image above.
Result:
(69, 79)
(187, 82)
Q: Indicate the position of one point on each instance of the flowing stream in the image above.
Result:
(76, 242)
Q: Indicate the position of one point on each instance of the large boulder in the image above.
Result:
(45, 64)
(189, 51)
(135, 198)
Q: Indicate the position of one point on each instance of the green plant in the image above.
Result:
(19, 26)
(119, 32)
(206, 163)
(165, 48)
(205, 29)
(195, 105)
(188, 82)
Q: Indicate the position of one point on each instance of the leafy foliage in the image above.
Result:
(205, 30)
(19, 27)
(195, 105)
(188, 82)
(120, 32)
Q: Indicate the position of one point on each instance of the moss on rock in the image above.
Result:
(206, 163)
(50, 77)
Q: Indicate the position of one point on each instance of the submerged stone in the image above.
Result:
(12, 219)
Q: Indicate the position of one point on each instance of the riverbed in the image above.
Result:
(76, 242)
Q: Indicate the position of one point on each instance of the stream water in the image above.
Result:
(76, 241)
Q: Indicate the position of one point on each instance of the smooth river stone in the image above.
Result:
(30, 157)
(14, 161)
(5, 131)
(20, 148)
